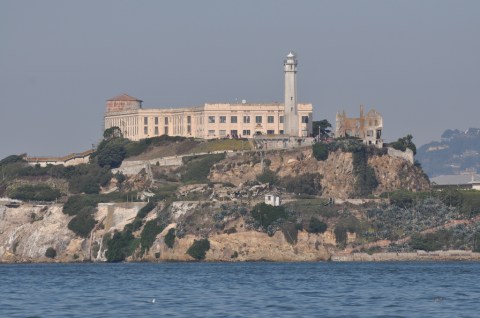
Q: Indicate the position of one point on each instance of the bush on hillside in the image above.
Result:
(51, 252)
(170, 238)
(267, 176)
(120, 246)
(266, 214)
(308, 183)
(149, 234)
(83, 222)
(38, 192)
(199, 249)
(316, 226)
(320, 151)
(198, 168)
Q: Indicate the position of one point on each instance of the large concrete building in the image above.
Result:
(220, 120)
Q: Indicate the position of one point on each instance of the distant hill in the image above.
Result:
(457, 152)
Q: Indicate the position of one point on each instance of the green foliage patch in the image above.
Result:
(38, 192)
(265, 215)
(308, 183)
(199, 249)
(320, 151)
(120, 246)
(198, 167)
(316, 226)
(149, 233)
(83, 222)
(170, 238)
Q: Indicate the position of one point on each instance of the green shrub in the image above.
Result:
(120, 246)
(320, 151)
(308, 183)
(268, 176)
(51, 252)
(170, 238)
(199, 249)
(430, 241)
(198, 167)
(266, 214)
(83, 222)
(366, 181)
(142, 213)
(110, 153)
(76, 202)
(38, 192)
(149, 233)
(316, 226)
(11, 159)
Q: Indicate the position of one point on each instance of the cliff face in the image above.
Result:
(28, 231)
(338, 180)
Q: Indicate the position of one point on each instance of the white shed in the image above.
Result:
(272, 199)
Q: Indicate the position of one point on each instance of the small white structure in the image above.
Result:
(475, 185)
(272, 199)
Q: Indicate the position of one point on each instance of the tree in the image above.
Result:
(316, 226)
(403, 143)
(321, 128)
(320, 151)
(112, 132)
(111, 155)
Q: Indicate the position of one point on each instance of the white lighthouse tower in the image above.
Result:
(291, 113)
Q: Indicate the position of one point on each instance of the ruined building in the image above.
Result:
(367, 127)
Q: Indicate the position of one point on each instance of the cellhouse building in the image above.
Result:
(215, 120)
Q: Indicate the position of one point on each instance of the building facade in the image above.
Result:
(220, 120)
(367, 127)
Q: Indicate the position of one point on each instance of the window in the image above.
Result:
(282, 119)
(211, 119)
(246, 132)
(258, 119)
(166, 120)
(369, 133)
(246, 120)
(211, 132)
(270, 119)
(156, 120)
(234, 133)
(305, 119)
(165, 131)
(223, 119)
(145, 120)
(222, 133)
(233, 119)
(189, 129)
(281, 132)
(156, 130)
(270, 132)
(145, 130)
(189, 119)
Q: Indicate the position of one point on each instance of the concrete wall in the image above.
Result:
(407, 154)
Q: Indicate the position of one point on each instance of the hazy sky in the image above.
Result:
(416, 62)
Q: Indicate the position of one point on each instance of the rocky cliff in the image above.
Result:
(26, 232)
(338, 180)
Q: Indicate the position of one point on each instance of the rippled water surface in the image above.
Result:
(241, 290)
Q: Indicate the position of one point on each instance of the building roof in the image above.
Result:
(455, 179)
(125, 98)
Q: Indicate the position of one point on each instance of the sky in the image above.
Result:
(416, 62)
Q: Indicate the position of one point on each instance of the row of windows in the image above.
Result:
(145, 120)
(234, 133)
(233, 120)
(246, 119)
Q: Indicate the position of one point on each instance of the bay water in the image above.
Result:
(395, 289)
